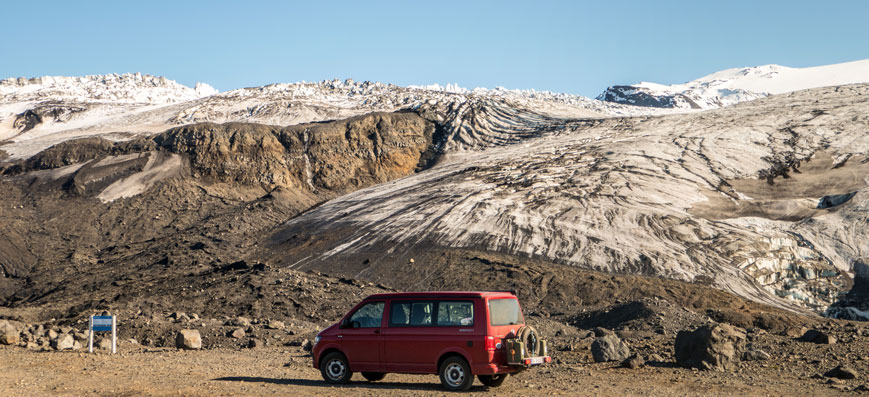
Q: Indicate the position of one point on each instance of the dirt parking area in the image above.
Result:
(279, 371)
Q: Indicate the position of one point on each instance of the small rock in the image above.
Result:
(841, 372)
(80, 336)
(633, 362)
(31, 345)
(188, 339)
(104, 344)
(755, 354)
(8, 333)
(655, 357)
(600, 331)
(254, 343)
(241, 322)
(307, 345)
(274, 324)
(609, 348)
(52, 334)
(132, 341)
(819, 337)
(795, 332)
(63, 342)
(66, 330)
(76, 345)
(237, 333)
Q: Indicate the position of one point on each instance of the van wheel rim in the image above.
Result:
(336, 369)
(454, 374)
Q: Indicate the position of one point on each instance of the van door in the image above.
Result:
(420, 331)
(409, 336)
(361, 338)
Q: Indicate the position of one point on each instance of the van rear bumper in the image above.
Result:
(491, 369)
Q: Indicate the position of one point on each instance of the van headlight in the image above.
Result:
(316, 340)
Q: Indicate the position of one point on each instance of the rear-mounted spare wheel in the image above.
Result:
(529, 336)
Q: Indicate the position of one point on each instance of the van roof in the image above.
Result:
(444, 294)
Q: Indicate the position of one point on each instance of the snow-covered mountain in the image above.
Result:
(40, 112)
(736, 85)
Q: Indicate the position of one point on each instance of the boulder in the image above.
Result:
(63, 342)
(710, 347)
(609, 348)
(819, 337)
(841, 372)
(188, 339)
(9, 334)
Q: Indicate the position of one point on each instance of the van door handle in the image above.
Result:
(376, 331)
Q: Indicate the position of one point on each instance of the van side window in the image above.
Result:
(455, 314)
(411, 314)
(368, 316)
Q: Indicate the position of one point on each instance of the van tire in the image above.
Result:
(455, 374)
(335, 368)
(493, 380)
(374, 376)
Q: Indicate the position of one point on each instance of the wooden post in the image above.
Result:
(91, 335)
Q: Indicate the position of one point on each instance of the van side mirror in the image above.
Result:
(344, 324)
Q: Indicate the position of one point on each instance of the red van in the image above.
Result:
(453, 334)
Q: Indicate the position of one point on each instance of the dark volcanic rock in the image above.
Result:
(710, 347)
(819, 337)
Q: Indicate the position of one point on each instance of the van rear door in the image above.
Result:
(505, 319)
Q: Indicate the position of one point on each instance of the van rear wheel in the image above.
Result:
(374, 376)
(456, 374)
(335, 369)
(493, 380)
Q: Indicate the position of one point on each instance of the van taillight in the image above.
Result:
(490, 343)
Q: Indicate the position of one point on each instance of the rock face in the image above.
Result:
(339, 156)
(9, 334)
(188, 339)
(609, 348)
(710, 347)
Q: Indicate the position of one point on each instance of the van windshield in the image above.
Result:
(505, 312)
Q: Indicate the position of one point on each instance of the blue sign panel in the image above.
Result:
(102, 323)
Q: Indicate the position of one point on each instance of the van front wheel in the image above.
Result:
(456, 374)
(493, 380)
(335, 368)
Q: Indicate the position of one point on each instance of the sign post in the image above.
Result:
(103, 324)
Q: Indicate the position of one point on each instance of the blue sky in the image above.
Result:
(565, 46)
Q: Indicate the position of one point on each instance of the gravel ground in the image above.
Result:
(281, 371)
